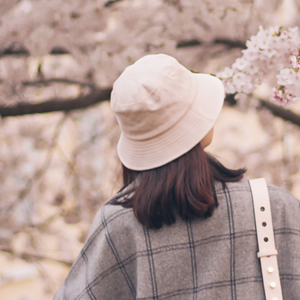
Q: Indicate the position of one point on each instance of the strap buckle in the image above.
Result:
(267, 253)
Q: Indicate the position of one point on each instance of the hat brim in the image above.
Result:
(186, 133)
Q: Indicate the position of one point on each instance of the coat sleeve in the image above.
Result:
(97, 273)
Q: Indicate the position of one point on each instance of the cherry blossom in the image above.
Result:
(227, 73)
(295, 60)
(282, 96)
(240, 64)
(286, 76)
(273, 49)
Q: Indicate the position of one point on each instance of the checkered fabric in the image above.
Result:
(212, 258)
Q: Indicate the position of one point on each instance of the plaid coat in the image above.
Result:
(212, 258)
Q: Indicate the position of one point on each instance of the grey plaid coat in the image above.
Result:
(212, 258)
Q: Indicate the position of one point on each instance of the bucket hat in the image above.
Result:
(163, 109)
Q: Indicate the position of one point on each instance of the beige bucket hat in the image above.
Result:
(163, 109)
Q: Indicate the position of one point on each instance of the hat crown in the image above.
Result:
(151, 95)
(163, 109)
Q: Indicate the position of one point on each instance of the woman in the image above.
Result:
(182, 226)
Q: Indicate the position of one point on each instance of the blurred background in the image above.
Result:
(58, 136)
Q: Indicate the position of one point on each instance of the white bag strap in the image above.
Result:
(265, 237)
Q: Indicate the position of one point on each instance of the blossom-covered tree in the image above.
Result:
(270, 51)
(103, 37)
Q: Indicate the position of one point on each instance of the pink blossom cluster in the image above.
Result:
(288, 88)
(270, 50)
(282, 96)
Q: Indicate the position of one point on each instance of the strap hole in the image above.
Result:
(264, 224)
(266, 239)
(262, 208)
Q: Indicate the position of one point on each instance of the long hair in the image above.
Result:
(185, 185)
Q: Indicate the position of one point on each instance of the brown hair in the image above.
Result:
(186, 184)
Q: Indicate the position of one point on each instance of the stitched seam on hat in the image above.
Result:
(173, 124)
(207, 118)
(167, 76)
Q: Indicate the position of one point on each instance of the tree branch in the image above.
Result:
(97, 96)
(13, 51)
(188, 43)
(218, 41)
(58, 80)
(22, 51)
(285, 114)
(26, 255)
(25, 108)
(39, 172)
(110, 2)
(278, 111)
(230, 43)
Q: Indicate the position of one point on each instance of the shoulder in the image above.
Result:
(280, 195)
(241, 189)
(114, 218)
(118, 215)
(238, 186)
(276, 193)
(285, 207)
(237, 191)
